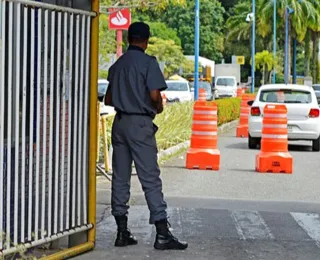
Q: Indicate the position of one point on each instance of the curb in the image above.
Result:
(174, 149)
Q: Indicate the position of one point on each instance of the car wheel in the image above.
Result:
(316, 145)
(253, 142)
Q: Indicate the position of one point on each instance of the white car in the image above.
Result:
(178, 91)
(226, 86)
(303, 112)
(102, 91)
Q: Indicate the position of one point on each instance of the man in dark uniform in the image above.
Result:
(135, 82)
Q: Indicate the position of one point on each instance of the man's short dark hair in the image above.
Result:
(139, 32)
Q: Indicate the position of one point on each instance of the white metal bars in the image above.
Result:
(44, 95)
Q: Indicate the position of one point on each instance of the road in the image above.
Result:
(234, 213)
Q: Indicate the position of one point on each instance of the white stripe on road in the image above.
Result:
(250, 225)
(310, 223)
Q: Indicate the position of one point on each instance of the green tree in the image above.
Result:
(168, 52)
(264, 61)
(211, 26)
(304, 12)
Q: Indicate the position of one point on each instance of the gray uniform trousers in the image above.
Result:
(133, 139)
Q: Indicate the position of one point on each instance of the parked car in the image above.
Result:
(102, 89)
(208, 88)
(316, 88)
(303, 113)
(178, 91)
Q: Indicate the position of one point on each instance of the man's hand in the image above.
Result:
(156, 100)
(108, 97)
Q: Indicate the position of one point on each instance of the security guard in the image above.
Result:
(135, 82)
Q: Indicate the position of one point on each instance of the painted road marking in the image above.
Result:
(250, 225)
(310, 223)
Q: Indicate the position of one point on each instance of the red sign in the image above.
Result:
(119, 19)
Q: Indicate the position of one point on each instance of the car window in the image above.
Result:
(203, 84)
(102, 88)
(317, 88)
(225, 82)
(177, 86)
(285, 96)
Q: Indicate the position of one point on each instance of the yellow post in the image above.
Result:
(98, 127)
(105, 143)
(93, 120)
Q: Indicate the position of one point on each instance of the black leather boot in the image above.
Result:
(165, 240)
(124, 236)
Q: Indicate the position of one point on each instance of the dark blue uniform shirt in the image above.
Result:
(131, 79)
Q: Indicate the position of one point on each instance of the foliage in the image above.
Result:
(103, 74)
(107, 40)
(166, 51)
(182, 20)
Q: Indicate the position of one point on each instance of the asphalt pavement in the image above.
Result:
(233, 213)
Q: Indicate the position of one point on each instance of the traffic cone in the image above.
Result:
(203, 153)
(202, 95)
(242, 128)
(164, 99)
(274, 156)
(240, 92)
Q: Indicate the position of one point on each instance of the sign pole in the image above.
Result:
(196, 50)
(119, 43)
(253, 45)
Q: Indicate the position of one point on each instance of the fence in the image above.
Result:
(48, 57)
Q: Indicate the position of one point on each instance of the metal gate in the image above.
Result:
(48, 64)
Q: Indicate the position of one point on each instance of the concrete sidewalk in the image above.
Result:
(234, 213)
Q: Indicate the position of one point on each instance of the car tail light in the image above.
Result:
(255, 111)
(314, 112)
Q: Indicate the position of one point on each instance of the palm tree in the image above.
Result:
(238, 28)
(314, 28)
(264, 60)
(304, 12)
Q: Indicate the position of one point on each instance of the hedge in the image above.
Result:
(176, 120)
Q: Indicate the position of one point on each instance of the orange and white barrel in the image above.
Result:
(202, 94)
(274, 156)
(203, 153)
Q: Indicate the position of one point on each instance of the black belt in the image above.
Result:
(120, 113)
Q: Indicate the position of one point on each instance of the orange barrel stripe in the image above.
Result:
(164, 99)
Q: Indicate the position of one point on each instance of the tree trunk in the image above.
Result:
(317, 80)
(289, 54)
(307, 53)
(314, 56)
(266, 74)
(263, 74)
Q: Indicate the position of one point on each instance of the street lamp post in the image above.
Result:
(294, 79)
(253, 44)
(286, 62)
(196, 50)
(274, 39)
